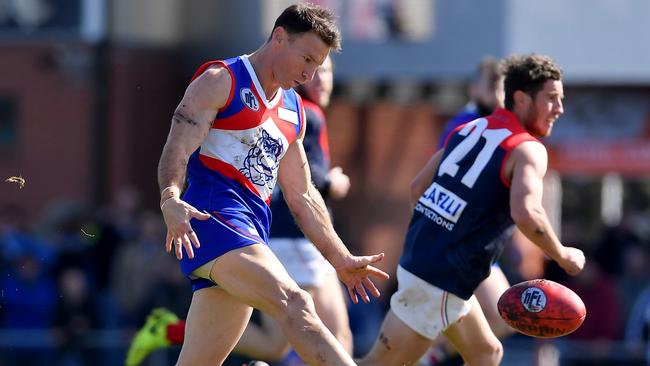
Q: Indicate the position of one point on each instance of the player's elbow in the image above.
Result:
(291, 200)
(415, 191)
(522, 216)
(296, 203)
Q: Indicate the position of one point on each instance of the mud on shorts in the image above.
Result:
(426, 309)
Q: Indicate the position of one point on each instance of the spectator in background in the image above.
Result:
(610, 256)
(485, 93)
(637, 330)
(117, 222)
(133, 284)
(17, 238)
(75, 318)
(28, 292)
(597, 289)
(29, 295)
(28, 302)
(635, 274)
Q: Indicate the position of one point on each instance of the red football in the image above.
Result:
(542, 308)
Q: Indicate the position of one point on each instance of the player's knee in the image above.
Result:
(492, 353)
(293, 302)
(299, 301)
(489, 353)
(497, 353)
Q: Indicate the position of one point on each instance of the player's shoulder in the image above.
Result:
(211, 88)
(531, 148)
(532, 153)
(215, 75)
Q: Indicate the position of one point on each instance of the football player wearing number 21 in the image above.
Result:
(488, 175)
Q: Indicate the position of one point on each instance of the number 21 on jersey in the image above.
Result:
(474, 131)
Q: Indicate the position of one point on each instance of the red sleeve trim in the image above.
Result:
(453, 132)
(209, 64)
(509, 145)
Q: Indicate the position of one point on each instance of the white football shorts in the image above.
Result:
(426, 309)
(302, 260)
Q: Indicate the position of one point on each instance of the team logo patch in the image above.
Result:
(533, 299)
(248, 98)
(444, 202)
(262, 161)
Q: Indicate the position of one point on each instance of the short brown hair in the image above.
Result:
(306, 17)
(490, 69)
(528, 73)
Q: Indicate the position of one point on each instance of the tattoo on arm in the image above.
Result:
(179, 117)
(540, 230)
(384, 340)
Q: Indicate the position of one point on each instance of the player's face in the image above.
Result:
(545, 109)
(299, 57)
(320, 88)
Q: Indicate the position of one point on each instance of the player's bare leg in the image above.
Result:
(330, 302)
(397, 344)
(215, 318)
(474, 340)
(255, 276)
(267, 340)
(487, 294)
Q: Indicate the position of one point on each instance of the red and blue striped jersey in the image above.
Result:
(250, 134)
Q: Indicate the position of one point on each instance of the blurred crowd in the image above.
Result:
(75, 272)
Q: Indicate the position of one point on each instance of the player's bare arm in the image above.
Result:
(422, 181)
(191, 123)
(311, 214)
(527, 165)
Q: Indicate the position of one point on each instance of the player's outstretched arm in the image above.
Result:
(422, 181)
(310, 212)
(191, 123)
(527, 165)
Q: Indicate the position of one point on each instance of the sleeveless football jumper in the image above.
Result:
(233, 173)
(454, 234)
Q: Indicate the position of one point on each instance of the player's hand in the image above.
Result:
(339, 183)
(573, 260)
(355, 273)
(177, 214)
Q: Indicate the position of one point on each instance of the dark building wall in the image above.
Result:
(49, 87)
(145, 87)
